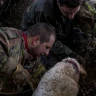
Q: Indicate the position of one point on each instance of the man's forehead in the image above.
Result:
(48, 45)
(70, 10)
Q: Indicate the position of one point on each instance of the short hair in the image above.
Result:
(70, 3)
(43, 30)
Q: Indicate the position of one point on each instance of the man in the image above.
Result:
(18, 56)
(60, 14)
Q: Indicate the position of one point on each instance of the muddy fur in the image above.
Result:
(61, 80)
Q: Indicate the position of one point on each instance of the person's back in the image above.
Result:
(38, 8)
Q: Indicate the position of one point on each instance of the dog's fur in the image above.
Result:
(61, 80)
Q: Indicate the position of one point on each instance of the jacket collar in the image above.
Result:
(25, 40)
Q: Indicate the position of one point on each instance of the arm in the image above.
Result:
(7, 64)
(10, 67)
(33, 14)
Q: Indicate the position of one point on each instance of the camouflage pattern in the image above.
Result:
(13, 52)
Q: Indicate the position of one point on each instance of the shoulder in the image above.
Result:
(45, 6)
(9, 32)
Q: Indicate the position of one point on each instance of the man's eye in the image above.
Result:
(47, 47)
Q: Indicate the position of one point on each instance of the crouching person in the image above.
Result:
(61, 80)
(19, 53)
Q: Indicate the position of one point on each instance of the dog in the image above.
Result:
(61, 80)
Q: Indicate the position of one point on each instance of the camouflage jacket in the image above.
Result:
(12, 52)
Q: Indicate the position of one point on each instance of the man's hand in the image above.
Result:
(22, 77)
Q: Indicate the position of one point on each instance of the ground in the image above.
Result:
(88, 86)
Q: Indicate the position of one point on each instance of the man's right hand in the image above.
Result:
(22, 77)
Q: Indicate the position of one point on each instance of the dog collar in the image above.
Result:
(74, 65)
(25, 40)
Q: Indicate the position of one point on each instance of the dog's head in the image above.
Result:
(77, 67)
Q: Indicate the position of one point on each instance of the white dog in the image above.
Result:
(61, 80)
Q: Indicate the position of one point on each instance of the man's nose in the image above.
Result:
(71, 16)
(47, 52)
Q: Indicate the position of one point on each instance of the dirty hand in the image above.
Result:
(21, 76)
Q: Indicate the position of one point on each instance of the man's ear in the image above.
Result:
(36, 40)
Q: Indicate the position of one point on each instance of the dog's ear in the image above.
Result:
(82, 71)
(83, 74)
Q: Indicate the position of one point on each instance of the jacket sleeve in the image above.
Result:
(28, 18)
(7, 64)
(31, 16)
